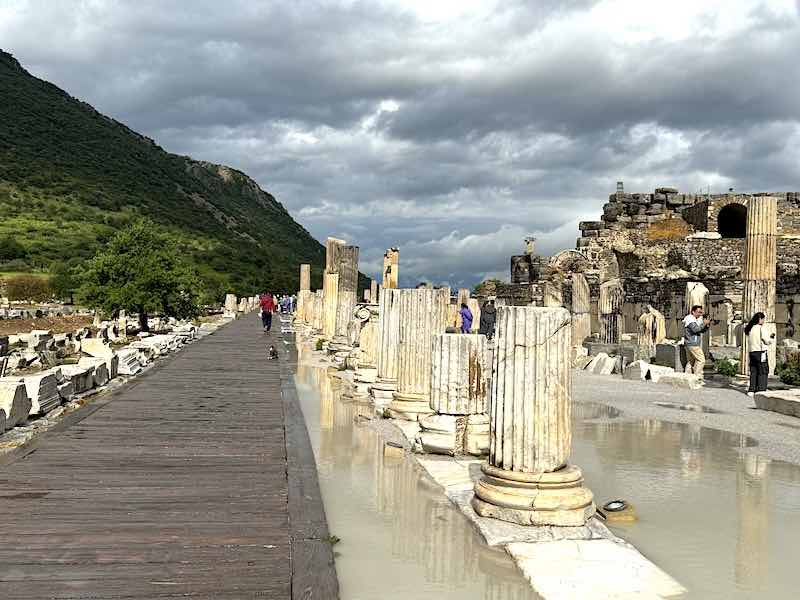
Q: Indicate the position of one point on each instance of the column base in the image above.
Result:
(381, 392)
(453, 435)
(556, 498)
(409, 407)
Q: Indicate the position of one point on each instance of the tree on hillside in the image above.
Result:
(141, 271)
(11, 249)
(63, 280)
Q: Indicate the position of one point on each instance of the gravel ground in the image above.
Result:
(777, 435)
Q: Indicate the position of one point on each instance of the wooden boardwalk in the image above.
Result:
(177, 488)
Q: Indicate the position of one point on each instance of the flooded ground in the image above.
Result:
(713, 513)
(400, 536)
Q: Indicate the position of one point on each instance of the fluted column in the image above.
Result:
(581, 309)
(652, 331)
(459, 396)
(305, 277)
(388, 347)
(759, 272)
(373, 292)
(527, 479)
(423, 314)
(697, 294)
(346, 292)
(612, 297)
(317, 318)
(391, 264)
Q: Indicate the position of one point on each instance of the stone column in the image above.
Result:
(373, 292)
(317, 318)
(304, 295)
(305, 277)
(347, 293)
(759, 272)
(330, 286)
(652, 331)
(391, 263)
(367, 362)
(459, 397)
(231, 306)
(612, 297)
(423, 314)
(330, 290)
(581, 309)
(388, 346)
(528, 479)
(122, 325)
(697, 293)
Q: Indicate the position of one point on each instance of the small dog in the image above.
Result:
(272, 353)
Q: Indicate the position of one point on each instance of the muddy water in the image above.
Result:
(400, 537)
(714, 513)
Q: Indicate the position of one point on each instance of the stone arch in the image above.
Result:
(569, 261)
(732, 220)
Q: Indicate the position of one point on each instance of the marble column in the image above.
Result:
(612, 297)
(388, 346)
(759, 272)
(304, 295)
(527, 478)
(330, 286)
(305, 277)
(459, 397)
(122, 325)
(231, 305)
(581, 309)
(697, 293)
(330, 290)
(391, 260)
(347, 293)
(318, 315)
(373, 292)
(652, 331)
(423, 314)
(367, 362)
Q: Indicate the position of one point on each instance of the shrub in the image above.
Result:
(789, 372)
(726, 367)
(28, 287)
(319, 344)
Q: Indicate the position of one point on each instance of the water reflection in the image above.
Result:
(401, 538)
(712, 512)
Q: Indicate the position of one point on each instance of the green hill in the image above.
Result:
(70, 177)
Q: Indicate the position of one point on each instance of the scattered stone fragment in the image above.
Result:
(682, 380)
(14, 402)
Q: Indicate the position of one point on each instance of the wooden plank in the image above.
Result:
(175, 488)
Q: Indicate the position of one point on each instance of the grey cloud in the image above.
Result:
(516, 122)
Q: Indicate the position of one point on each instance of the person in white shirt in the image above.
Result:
(757, 342)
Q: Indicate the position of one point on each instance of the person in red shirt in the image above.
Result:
(267, 308)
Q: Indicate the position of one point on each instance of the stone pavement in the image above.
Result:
(179, 487)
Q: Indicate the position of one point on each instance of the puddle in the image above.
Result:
(689, 407)
(715, 515)
(400, 536)
(712, 513)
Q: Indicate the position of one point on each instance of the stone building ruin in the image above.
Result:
(657, 243)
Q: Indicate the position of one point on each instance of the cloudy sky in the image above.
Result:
(450, 128)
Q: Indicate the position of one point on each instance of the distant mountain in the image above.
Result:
(70, 177)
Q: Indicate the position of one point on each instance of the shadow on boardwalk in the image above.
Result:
(177, 488)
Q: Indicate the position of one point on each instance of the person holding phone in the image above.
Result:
(757, 342)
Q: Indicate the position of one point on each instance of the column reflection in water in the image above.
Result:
(401, 537)
(713, 512)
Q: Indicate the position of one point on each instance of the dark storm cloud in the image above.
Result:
(453, 136)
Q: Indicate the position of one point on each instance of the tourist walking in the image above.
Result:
(694, 326)
(488, 319)
(466, 318)
(267, 308)
(757, 342)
